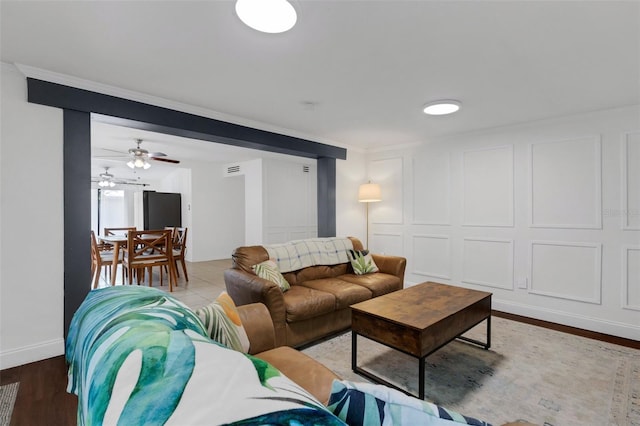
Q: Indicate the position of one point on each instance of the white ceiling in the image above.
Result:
(366, 67)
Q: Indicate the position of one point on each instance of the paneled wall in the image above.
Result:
(544, 215)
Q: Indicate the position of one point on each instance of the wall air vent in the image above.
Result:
(305, 169)
(232, 170)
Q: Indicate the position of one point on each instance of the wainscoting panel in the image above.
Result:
(488, 262)
(432, 256)
(566, 270)
(386, 243)
(631, 277)
(566, 184)
(431, 189)
(388, 174)
(630, 213)
(277, 235)
(488, 187)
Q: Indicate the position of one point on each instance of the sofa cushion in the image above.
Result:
(367, 404)
(302, 303)
(345, 292)
(378, 283)
(268, 270)
(223, 324)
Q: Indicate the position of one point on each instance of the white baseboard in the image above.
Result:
(31, 353)
(599, 325)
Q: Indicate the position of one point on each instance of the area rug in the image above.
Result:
(7, 400)
(530, 373)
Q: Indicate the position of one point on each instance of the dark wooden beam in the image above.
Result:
(77, 211)
(327, 195)
(130, 113)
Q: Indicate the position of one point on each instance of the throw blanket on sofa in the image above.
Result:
(299, 254)
(137, 356)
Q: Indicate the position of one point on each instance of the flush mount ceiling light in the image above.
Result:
(442, 107)
(268, 16)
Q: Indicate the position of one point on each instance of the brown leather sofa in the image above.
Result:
(317, 304)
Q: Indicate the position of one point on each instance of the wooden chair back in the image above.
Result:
(149, 248)
(119, 231)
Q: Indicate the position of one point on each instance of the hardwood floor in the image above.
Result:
(42, 397)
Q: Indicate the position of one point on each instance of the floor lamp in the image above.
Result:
(369, 193)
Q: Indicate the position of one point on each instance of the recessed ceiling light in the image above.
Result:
(268, 16)
(442, 107)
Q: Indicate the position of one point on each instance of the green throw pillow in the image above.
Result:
(268, 270)
(223, 324)
(362, 262)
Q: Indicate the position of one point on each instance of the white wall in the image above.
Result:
(544, 215)
(217, 211)
(350, 214)
(31, 213)
(290, 200)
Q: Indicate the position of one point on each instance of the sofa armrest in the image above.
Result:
(258, 325)
(393, 265)
(245, 288)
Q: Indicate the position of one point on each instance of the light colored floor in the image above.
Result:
(206, 282)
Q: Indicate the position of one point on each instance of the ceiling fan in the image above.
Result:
(107, 180)
(138, 156)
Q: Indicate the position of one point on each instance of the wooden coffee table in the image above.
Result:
(418, 321)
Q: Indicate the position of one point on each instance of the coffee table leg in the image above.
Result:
(421, 378)
(354, 350)
(488, 345)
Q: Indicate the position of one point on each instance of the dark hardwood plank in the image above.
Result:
(42, 396)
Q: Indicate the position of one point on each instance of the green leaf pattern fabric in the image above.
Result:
(223, 324)
(367, 404)
(362, 262)
(268, 270)
(138, 356)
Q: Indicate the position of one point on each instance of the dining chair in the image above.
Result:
(99, 259)
(147, 249)
(179, 249)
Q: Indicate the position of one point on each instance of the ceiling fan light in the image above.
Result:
(442, 107)
(131, 164)
(146, 165)
(111, 184)
(139, 162)
(267, 16)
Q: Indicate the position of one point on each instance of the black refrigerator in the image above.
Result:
(161, 209)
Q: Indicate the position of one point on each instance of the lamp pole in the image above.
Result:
(368, 193)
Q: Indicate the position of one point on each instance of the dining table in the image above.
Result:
(118, 240)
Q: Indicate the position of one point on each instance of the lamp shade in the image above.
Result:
(369, 193)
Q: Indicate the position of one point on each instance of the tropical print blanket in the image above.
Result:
(138, 356)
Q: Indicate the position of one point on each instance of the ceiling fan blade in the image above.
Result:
(113, 150)
(166, 160)
(157, 154)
